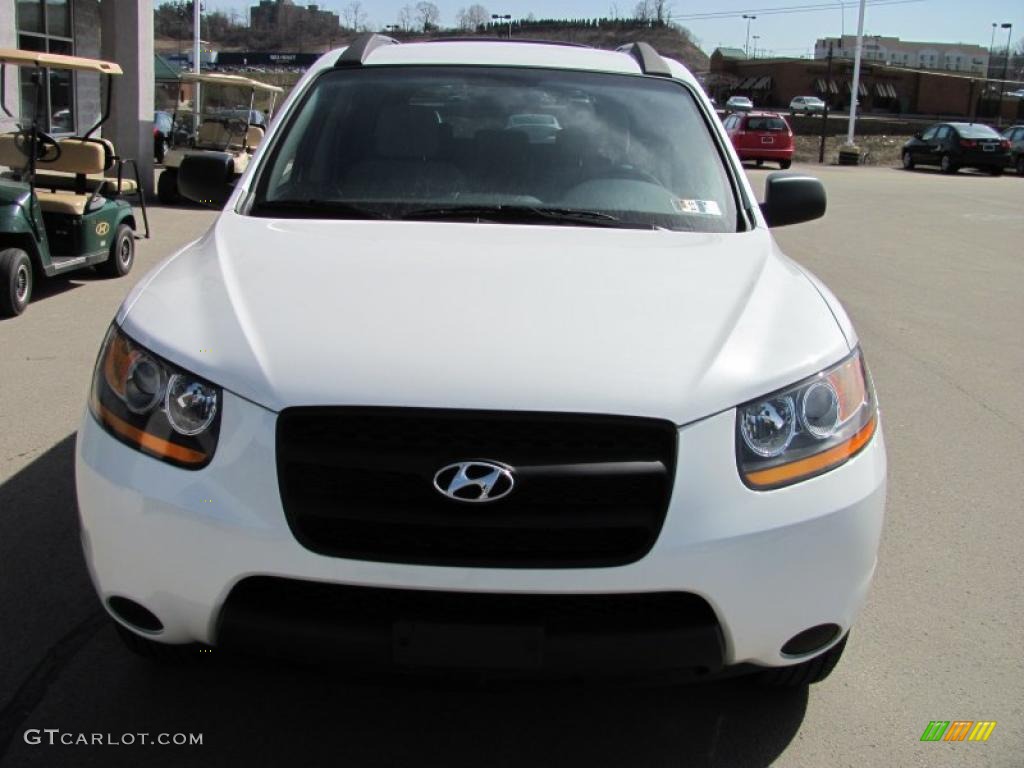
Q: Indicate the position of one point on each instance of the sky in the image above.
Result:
(781, 34)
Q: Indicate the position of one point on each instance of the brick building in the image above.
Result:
(950, 57)
(285, 14)
(883, 89)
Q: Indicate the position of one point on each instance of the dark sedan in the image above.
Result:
(1015, 135)
(953, 146)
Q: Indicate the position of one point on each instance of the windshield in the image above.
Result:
(486, 144)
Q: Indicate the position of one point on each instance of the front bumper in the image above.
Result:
(769, 564)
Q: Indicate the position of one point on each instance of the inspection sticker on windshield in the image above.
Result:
(705, 207)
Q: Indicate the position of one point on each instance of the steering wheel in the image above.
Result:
(47, 148)
(236, 126)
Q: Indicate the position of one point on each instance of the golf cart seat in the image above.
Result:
(214, 134)
(67, 172)
(65, 185)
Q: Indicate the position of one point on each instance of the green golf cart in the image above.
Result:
(58, 212)
(226, 127)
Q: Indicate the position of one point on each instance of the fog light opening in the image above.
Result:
(135, 615)
(810, 640)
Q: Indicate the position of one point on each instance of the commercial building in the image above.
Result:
(883, 89)
(286, 14)
(117, 30)
(948, 57)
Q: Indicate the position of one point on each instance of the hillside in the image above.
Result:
(671, 41)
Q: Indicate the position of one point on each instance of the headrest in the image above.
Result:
(212, 133)
(405, 132)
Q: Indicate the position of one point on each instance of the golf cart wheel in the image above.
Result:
(908, 161)
(807, 672)
(122, 253)
(784, 164)
(15, 281)
(161, 150)
(167, 187)
(947, 165)
(151, 650)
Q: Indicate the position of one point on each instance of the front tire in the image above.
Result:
(122, 253)
(15, 281)
(784, 164)
(161, 150)
(908, 161)
(806, 672)
(946, 164)
(167, 187)
(1020, 165)
(995, 171)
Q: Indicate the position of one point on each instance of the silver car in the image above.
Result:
(806, 105)
(738, 104)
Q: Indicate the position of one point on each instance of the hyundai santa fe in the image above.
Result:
(438, 392)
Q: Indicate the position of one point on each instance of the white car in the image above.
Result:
(738, 104)
(807, 105)
(425, 399)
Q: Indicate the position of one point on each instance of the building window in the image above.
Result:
(45, 25)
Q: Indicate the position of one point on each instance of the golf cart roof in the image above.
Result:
(21, 58)
(236, 80)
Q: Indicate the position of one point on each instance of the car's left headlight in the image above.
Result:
(806, 429)
(154, 406)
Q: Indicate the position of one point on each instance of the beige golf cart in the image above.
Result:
(224, 125)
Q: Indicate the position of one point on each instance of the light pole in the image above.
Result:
(842, 21)
(746, 46)
(1006, 69)
(855, 87)
(756, 38)
(504, 17)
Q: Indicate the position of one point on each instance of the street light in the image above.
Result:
(842, 21)
(756, 38)
(504, 17)
(746, 46)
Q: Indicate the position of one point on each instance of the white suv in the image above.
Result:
(435, 391)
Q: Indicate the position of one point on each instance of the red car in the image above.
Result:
(761, 136)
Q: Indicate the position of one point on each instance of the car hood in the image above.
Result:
(647, 323)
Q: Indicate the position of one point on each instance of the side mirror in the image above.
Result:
(207, 178)
(917, 135)
(791, 198)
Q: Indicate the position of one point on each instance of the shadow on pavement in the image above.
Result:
(64, 668)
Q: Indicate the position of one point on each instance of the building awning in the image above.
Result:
(892, 91)
(819, 85)
(747, 83)
(763, 84)
(881, 91)
(833, 86)
(861, 88)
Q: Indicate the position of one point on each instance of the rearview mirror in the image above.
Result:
(791, 198)
(207, 178)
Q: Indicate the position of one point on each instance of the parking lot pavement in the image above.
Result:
(931, 269)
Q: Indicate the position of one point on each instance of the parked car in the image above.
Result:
(739, 104)
(430, 395)
(806, 105)
(761, 136)
(540, 129)
(953, 146)
(1015, 135)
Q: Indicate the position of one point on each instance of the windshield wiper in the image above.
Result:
(315, 209)
(519, 213)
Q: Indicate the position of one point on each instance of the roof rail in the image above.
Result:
(360, 48)
(485, 39)
(650, 60)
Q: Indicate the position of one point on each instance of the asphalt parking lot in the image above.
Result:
(931, 268)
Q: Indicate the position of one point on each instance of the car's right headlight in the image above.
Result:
(806, 429)
(154, 406)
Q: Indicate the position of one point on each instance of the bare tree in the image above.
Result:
(662, 10)
(354, 16)
(428, 15)
(643, 10)
(405, 18)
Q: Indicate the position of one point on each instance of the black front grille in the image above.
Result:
(589, 490)
(613, 633)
